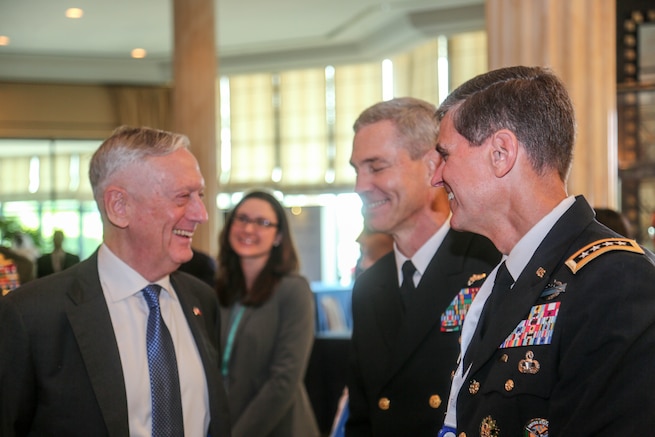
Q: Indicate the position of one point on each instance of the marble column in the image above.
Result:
(194, 111)
(576, 38)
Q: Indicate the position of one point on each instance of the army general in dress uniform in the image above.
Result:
(560, 340)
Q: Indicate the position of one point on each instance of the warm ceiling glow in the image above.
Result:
(4, 40)
(74, 13)
(139, 53)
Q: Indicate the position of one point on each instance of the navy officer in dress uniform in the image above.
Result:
(406, 324)
(564, 343)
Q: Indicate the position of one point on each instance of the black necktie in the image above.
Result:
(407, 287)
(499, 292)
(167, 418)
(502, 284)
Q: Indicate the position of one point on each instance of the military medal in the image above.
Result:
(529, 364)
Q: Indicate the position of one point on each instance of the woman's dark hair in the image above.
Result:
(231, 284)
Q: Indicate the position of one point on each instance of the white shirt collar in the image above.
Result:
(120, 281)
(526, 247)
(424, 254)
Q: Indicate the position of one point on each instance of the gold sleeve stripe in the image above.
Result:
(592, 251)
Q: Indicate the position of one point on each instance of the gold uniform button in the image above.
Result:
(509, 385)
(474, 387)
(462, 434)
(503, 358)
(435, 401)
(384, 404)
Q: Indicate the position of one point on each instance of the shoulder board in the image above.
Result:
(592, 251)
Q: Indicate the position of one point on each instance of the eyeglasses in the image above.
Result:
(259, 222)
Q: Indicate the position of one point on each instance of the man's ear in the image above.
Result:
(432, 159)
(504, 151)
(116, 206)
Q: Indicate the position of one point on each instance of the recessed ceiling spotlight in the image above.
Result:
(139, 53)
(74, 13)
(4, 40)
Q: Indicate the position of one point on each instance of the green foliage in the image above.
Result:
(10, 227)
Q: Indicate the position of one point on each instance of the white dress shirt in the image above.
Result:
(423, 256)
(129, 312)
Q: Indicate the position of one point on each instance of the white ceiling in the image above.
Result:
(251, 35)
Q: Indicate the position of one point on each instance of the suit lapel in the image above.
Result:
(208, 350)
(435, 291)
(532, 281)
(91, 324)
(387, 302)
(191, 307)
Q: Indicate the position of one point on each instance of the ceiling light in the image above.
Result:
(4, 40)
(74, 13)
(139, 53)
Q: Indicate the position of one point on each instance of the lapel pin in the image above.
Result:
(197, 311)
(541, 272)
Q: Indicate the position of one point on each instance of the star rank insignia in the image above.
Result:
(592, 251)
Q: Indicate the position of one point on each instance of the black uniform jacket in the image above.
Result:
(60, 369)
(401, 361)
(571, 351)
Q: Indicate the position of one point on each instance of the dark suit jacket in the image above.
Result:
(594, 375)
(44, 264)
(403, 357)
(60, 370)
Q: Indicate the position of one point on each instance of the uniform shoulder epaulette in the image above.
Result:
(592, 251)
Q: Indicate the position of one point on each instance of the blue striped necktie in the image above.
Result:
(167, 418)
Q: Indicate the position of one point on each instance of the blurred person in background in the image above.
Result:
(58, 259)
(268, 315)
(614, 220)
(15, 269)
(202, 266)
(372, 247)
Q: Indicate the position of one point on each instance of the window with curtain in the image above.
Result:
(467, 56)
(303, 139)
(415, 72)
(252, 130)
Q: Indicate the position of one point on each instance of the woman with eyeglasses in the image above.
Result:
(267, 316)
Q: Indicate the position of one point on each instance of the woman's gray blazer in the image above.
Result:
(271, 349)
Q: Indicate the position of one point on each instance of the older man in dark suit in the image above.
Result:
(408, 308)
(120, 341)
